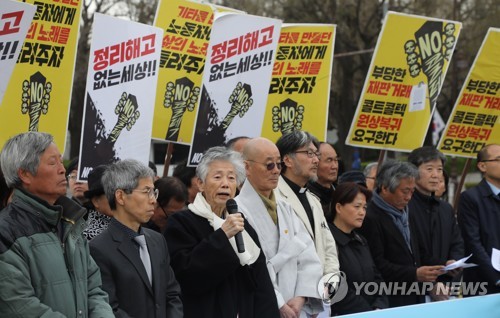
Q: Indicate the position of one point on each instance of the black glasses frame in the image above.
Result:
(269, 166)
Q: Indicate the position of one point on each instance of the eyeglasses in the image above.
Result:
(71, 176)
(165, 212)
(309, 153)
(151, 192)
(491, 160)
(269, 166)
(169, 212)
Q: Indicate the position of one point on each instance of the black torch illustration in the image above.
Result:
(288, 116)
(181, 96)
(35, 99)
(127, 112)
(241, 100)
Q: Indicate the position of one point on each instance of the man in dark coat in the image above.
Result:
(479, 220)
(137, 276)
(328, 168)
(391, 236)
(437, 230)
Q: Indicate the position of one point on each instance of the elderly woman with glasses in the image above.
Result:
(216, 280)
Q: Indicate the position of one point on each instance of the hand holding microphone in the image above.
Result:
(234, 224)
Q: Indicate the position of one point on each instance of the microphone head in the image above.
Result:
(231, 206)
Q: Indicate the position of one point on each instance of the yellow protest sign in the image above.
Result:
(300, 86)
(403, 82)
(186, 31)
(474, 120)
(39, 92)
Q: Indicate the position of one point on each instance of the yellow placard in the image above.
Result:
(474, 120)
(404, 80)
(186, 32)
(300, 86)
(39, 92)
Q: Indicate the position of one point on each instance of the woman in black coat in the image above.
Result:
(349, 210)
(216, 280)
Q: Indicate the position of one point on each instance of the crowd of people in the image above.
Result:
(253, 231)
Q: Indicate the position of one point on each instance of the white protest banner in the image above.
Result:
(236, 80)
(121, 90)
(15, 20)
(187, 26)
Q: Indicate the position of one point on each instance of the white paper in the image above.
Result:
(495, 259)
(461, 263)
(417, 97)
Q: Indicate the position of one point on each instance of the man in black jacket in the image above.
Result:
(328, 168)
(134, 261)
(479, 220)
(437, 231)
(391, 235)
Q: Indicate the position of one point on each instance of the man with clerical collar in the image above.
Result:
(299, 158)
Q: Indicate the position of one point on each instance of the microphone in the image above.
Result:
(232, 207)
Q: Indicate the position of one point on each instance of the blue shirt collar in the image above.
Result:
(494, 189)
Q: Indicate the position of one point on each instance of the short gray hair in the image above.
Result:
(369, 167)
(23, 151)
(391, 172)
(124, 175)
(221, 154)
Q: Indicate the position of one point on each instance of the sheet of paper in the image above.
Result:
(417, 97)
(461, 263)
(495, 259)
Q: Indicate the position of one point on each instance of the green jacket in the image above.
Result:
(45, 266)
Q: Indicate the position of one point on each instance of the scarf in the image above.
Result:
(271, 206)
(399, 218)
(201, 208)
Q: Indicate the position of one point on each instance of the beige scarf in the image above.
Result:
(201, 208)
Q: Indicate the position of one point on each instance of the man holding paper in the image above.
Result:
(479, 219)
(437, 231)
